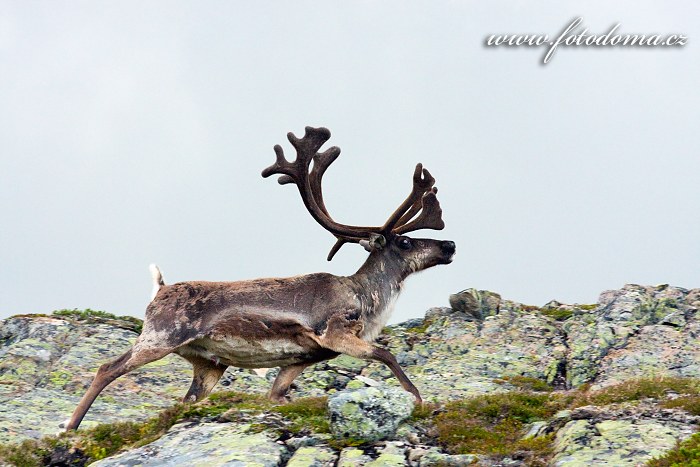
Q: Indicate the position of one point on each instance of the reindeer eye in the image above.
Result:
(404, 243)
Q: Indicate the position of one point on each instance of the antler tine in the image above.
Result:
(421, 201)
(306, 148)
(413, 210)
(321, 162)
(422, 182)
(338, 245)
(430, 216)
(309, 183)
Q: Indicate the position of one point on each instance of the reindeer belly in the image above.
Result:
(239, 352)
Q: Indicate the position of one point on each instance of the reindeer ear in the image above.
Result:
(375, 242)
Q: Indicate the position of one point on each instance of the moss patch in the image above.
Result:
(90, 445)
(690, 404)
(526, 383)
(98, 316)
(104, 440)
(637, 389)
(494, 425)
(685, 454)
(309, 414)
(220, 402)
(421, 328)
(558, 314)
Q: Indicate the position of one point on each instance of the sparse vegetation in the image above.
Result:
(644, 388)
(525, 383)
(685, 454)
(557, 314)
(690, 404)
(310, 414)
(421, 328)
(132, 323)
(494, 424)
(104, 440)
(219, 403)
(92, 444)
(424, 411)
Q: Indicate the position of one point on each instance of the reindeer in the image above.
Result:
(292, 322)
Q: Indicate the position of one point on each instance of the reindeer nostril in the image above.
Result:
(448, 247)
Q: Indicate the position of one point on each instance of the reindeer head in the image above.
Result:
(420, 210)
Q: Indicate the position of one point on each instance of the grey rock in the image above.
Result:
(206, 443)
(435, 458)
(353, 457)
(477, 303)
(535, 429)
(46, 363)
(636, 331)
(369, 414)
(615, 442)
(390, 454)
(313, 456)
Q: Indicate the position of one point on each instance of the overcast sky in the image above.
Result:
(135, 132)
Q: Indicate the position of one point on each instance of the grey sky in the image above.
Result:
(135, 132)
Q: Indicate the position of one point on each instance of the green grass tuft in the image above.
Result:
(685, 454)
(220, 402)
(494, 424)
(87, 314)
(104, 440)
(424, 411)
(525, 383)
(557, 314)
(420, 329)
(308, 414)
(690, 404)
(90, 445)
(644, 388)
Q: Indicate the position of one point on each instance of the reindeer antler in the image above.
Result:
(421, 200)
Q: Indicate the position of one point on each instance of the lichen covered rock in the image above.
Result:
(313, 456)
(482, 344)
(626, 441)
(636, 331)
(47, 363)
(369, 414)
(205, 444)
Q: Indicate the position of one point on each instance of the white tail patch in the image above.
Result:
(157, 279)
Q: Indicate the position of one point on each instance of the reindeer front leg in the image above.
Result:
(341, 336)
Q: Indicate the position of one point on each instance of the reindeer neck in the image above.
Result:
(377, 285)
(381, 269)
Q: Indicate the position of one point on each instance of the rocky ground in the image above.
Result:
(481, 345)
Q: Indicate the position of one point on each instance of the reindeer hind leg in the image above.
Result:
(132, 359)
(206, 375)
(284, 380)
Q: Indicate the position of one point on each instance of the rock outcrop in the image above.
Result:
(482, 344)
(369, 414)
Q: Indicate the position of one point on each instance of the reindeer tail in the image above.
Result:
(157, 280)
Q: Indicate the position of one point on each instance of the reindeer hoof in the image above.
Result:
(280, 399)
(62, 426)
